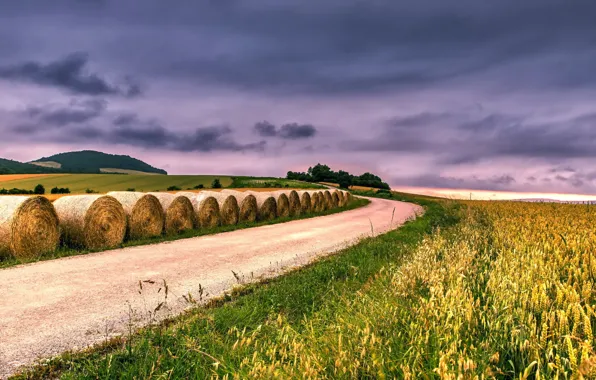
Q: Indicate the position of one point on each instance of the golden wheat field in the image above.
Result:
(507, 293)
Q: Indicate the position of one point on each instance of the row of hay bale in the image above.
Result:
(31, 226)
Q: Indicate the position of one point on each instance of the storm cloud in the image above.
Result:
(291, 131)
(67, 73)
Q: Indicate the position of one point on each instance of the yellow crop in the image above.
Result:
(507, 293)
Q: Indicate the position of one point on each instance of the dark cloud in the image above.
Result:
(291, 131)
(265, 129)
(131, 130)
(75, 113)
(461, 138)
(68, 73)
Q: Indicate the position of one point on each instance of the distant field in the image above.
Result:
(19, 177)
(102, 183)
(271, 182)
(125, 171)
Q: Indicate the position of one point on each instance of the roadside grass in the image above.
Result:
(64, 251)
(225, 338)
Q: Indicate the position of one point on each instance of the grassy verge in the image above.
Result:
(66, 251)
(215, 340)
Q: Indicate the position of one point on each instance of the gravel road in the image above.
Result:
(50, 307)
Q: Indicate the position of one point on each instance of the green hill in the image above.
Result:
(89, 161)
(15, 167)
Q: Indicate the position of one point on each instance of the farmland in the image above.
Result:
(102, 183)
(470, 290)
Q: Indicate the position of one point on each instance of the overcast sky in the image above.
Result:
(494, 95)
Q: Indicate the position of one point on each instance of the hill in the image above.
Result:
(89, 161)
(15, 167)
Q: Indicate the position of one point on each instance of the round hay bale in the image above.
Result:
(266, 205)
(305, 202)
(317, 201)
(248, 206)
(179, 213)
(335, 199)
(144, 212)
(295, 205)
(91, 221)
(28, 227)
(283, 204)
(340, 197)
(327, 201)
(228, 207)
(206, 209)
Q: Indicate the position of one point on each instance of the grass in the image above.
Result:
(102, 183)
(216, 340)
(271, 182)
(66, 251)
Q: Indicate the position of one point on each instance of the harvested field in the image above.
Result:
(103, 183)
(179, 213)
(91, 221)
(18, 177)
(28, 227)
(145, 214)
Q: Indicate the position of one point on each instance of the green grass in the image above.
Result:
(209, 341)
(67, 251)
(102, 183)
(265, 182)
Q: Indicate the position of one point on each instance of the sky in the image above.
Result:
(433, 93)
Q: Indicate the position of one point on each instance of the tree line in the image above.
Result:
(322, 173)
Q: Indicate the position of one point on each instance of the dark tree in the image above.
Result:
(39, 189)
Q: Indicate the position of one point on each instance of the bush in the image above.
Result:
(131, 189)
(216, 184)
(174, 188)
(39, 189)
(90, 191)
(199, 186)
(61, 190)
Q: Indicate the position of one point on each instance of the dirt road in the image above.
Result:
(50, 307)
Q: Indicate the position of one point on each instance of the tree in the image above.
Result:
(39, 189)
(216, 184)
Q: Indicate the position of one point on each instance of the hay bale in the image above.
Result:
(28, 227)
(228, 206)
(305, 202)
(179, 213)
(206, 209)
(248, 206)
(327, 201)
(91, 221)
(144, 212)
(317, 201)
(266, 205)
(335, 199)
(283, 204)
(340, 197)
(295, 205)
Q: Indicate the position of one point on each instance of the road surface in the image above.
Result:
(50, 307)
